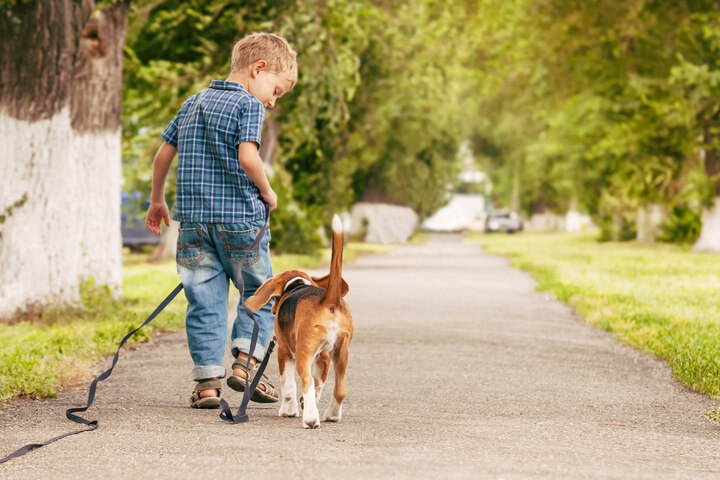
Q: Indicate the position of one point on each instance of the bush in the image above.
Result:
(617, 227)
(683, 226)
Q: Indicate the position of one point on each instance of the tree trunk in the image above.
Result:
(649, 221)
(515, 196)
(270, 136)
(167, 248)
(60, 100)
(709, 240)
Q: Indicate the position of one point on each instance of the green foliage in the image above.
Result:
(378, 105)
(683, 226)
(604, 103)
(294, 229)
(660, 299)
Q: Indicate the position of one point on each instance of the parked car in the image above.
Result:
(134, 232)
(503, 221)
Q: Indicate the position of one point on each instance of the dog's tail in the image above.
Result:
(334, 293)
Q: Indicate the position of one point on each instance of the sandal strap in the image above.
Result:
(209, 384)
(269, 389)
(251, 373)
(242, 365)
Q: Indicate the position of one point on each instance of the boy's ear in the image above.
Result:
(258, 66)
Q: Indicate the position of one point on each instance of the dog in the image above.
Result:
(313, 324)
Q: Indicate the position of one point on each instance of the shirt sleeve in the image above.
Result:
(170, 134)
(250, 123)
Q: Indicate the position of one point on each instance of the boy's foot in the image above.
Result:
(206, 394)
(264, 393)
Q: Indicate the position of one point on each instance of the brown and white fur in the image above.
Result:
(313, 325)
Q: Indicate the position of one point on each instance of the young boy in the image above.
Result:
(221, 187)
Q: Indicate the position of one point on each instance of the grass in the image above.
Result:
(62, 347)
(661, 299)
(59, 348)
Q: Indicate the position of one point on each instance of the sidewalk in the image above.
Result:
(458, 369)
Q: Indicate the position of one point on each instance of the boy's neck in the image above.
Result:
(239, 77)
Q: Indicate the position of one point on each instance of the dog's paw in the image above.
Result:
(312, 423)
(333, 412)
(288, 408)
(328, 417)
(311, 418)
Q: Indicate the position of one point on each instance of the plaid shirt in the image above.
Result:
(211, 185)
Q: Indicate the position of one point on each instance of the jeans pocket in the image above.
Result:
(189, 247)
(238, 246)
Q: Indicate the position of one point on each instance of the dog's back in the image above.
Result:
(288, 308)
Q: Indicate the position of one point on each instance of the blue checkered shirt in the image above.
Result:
(211, 185)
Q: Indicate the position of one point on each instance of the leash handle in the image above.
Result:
(70, 412)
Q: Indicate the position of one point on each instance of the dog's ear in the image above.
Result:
(276, 305)
(271, 288)
(322, 282)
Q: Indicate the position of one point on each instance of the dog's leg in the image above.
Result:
(320, 370)
(288, 402)
(340, 363)
(311, 416)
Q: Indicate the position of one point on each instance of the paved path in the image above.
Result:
(459, 369)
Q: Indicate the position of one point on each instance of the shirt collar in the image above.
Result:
(224, 85)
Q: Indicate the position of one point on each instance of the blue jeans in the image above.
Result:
(208, 256)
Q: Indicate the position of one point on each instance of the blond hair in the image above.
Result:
(272, 48)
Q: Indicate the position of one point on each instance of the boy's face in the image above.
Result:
(268, 87)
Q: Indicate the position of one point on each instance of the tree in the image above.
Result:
(60, 100)
(378, 102)
(612, 99)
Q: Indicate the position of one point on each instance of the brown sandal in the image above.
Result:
(270, 395)
(196, 401)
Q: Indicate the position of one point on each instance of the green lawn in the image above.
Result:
(661, 299)
(63, 347)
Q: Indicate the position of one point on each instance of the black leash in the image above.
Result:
(70, 412)
(241, 415)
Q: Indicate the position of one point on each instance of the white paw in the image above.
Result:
(333, 412)
(288, 408)
(311, 418)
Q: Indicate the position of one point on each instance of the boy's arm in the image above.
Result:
(158, 210)
(252, 165)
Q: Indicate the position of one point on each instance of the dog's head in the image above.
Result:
(282, 284)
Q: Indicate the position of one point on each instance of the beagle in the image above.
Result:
(313, 325)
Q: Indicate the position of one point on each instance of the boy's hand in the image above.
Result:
(157, 212)
(270, 197)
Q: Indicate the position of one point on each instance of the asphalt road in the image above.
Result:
(458, 369)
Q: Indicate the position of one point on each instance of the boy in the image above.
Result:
(221, 187)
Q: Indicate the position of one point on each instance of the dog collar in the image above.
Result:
(294, 280)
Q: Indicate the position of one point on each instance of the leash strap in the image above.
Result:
(70, 412)
(241, 415)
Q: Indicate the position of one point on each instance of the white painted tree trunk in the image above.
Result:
(67, 230)
(60, 163)
(98, 156)
(649, 222)
(709, 240)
